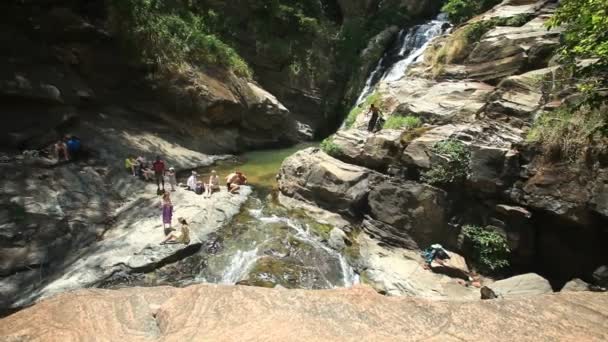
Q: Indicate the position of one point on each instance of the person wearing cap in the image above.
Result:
(214, 183)
(191, 183)
(171, 178)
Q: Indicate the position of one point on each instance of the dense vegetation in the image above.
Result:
(462, 10)
(169, 33)
(454, 169)
(330, 147)
(583, 124)
(402, 122)
(490, 249)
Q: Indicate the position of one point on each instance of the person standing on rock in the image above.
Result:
(167, 209)
(159, 173)
(171, 178)
(371, 126)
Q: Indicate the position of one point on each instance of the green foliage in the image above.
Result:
(462, 10)
(373, 98)
(167, 32)
(491, 251)
(566, 132)
(406, 122)
(585, 36)
(330, 147)
(455, 169)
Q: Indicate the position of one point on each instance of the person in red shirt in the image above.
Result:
(159, 173)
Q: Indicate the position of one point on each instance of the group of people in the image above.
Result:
(157, 171)
(233, 183)
(68, 148)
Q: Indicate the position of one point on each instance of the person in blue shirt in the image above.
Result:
(74, 146)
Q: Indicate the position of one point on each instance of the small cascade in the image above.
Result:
(239, 266)
(410, 45)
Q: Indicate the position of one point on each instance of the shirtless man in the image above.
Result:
(234, 181)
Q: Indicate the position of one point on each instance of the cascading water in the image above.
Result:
(410, 45)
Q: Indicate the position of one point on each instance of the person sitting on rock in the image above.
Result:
(74, 147)
(171, 178)
(147, 173)
(200, 188)
(214, 183)
(61, 150)
(130, 165)
(371, 126)
(234, 181)
(191, 183)
(183, 236)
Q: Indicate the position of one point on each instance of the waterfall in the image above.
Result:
(410, 45)
(239, 266)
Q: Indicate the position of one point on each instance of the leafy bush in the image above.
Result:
(585, 36)
(167, 33)
(457, 167)
(407, 122)
(490, 248)
(330, 147)
(373, 98)
(462, 10)
(566, 132)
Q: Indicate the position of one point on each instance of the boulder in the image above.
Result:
(520, 95)
(600, 276)
(575, 285)
(313, 176)
(434, 102)
(455, 266)
(337, 239)
(416, 210)
(388, 234)
(376, 151)
(529, 284)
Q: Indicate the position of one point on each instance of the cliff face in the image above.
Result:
(62, 68)
(222, 313)
(480, 87)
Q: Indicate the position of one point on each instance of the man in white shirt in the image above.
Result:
(191, 183)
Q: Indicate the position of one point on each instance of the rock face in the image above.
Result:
(416, 210)
(313, 176)
(522, 285)
(575, 285)
(227, 313)
(78, 246)
(483, 85)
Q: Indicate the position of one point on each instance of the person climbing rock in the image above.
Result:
(376, 114)
(159, 173)
(183, 236)
(167, 210)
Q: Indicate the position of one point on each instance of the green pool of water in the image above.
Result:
(260, 167)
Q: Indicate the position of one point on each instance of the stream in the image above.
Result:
(264, 245)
